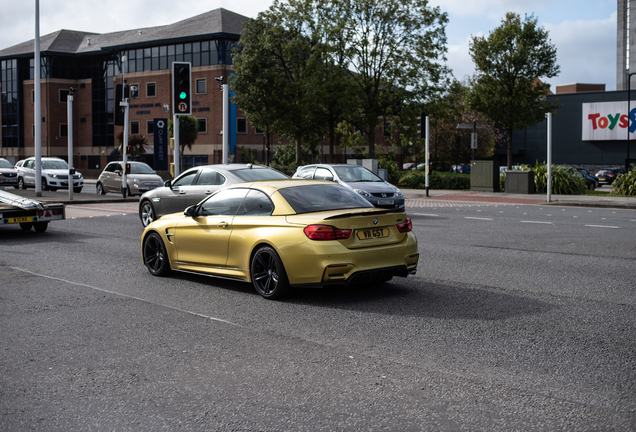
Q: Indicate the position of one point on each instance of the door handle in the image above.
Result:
(208, 192)
(222, 224)
(182, 192)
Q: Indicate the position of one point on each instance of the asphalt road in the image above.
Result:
(520, 318)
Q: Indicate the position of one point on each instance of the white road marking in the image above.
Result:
(476, 218)
(602, 226)
(537, 222)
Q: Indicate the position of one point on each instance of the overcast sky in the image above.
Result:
(584, 31)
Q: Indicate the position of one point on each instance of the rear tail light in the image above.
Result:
(326, 232)
(405, 227)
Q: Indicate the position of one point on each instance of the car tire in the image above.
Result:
(77, 190)
(40, 226)
(21, 184)
(100, 189)
(26, 226)
(155, 256)
(146, 213)
(45, 185)
(591, 186)
(268, 274)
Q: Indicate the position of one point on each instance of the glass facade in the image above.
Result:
(101, 70)
(10, 103)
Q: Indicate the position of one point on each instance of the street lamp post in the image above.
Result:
(629, 117)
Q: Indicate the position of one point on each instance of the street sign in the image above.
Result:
(473, 140)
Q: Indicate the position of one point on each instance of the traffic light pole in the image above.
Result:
(226, 122)
(427, 151)
(124, 177)
(175, 133)
(69, 114)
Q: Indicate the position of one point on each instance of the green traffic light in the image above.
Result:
(183, 95)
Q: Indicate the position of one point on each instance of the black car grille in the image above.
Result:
(383, 195)
(10, 175)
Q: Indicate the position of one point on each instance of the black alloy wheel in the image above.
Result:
(268, 274)
(155, 256)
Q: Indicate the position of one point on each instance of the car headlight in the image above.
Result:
(398, 193)
(136, 181)
(79, 175)
(362, 192)
(51, 175)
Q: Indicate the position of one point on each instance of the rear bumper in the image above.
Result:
(365, 277)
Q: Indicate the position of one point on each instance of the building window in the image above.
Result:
(151, 90)
(203, 125)
(134, 128)
(150, 127)
(259, 131)
(241, 125)
(63, 130)
(63, 95)
(201, 86)
(387, 129)
(134, 91)
(190, 161)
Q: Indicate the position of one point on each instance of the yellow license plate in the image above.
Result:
(373, 233)
(601, 179)
(21, 219)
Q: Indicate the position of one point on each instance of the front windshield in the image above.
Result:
(141, 168)
(54, 164)
(5, 164)
(254, 174)
(353, 173)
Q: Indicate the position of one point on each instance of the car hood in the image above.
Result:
(147, 177)
(372, 187)
(57, 171)
(8, 170)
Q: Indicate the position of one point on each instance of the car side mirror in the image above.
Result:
(118, 173)
(166, 183)
(71, 171)
(191, 211)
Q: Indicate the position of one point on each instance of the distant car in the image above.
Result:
(195, 184)
(408, 166)
(607, 176)
(588, 177)
(141, 178)
(54, 174)
(461, 169)
(589, 181)
(357, 178)
(8, 174)
(421, 166)
(283, 234)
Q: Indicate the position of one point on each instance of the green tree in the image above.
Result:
(394, 53)
(136, 144)
(276, 40)
(509, 63)
(188, 133)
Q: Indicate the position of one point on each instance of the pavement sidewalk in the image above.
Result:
(599, 201)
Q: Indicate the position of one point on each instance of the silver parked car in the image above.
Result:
(197, 183)
(8, 174)
(54, 174)
(359, 179)
(140, 179)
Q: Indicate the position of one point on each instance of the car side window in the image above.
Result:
(223, 203)
(306, 174)
(323, 174)
(28, 164)
(185, 180)
(210, 178)
(256, 203)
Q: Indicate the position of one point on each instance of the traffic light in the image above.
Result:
(421, 125)
(181, 88)
(128, 168)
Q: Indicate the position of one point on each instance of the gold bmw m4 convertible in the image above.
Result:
(279, 234)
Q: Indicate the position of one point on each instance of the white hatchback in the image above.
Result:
(54, 175)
